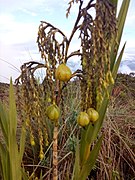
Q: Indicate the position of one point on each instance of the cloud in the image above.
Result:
(28, 11)
(14, 32)
(125, 69)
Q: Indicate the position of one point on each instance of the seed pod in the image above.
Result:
(32, 142)
(41, 155)
(63, 73)
(53, 112)
(83, 119)
(99, 98)
(109, 77)
(93, 114)
(105, 84)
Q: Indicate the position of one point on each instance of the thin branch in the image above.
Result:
(76, 53)
(74, 29)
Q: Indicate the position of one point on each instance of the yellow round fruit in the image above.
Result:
(32, 142)
(41, 155)
(93, 114)
(53, 112)
(63, 73)
(83, 119)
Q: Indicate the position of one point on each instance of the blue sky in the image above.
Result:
(19, 21)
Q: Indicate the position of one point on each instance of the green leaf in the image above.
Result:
(117, 64)
(12, 146)
(76, 170)
(87, 167)
(89, 133)
(4, 122)
(12, 110)
(10, 158)
(99, 122)
(82, 145)
(3, 157)
(22, 142)
(121, 21)
(24, 174)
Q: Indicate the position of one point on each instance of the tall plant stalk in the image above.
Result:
(55, 153)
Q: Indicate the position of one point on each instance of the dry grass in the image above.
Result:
(117, 155)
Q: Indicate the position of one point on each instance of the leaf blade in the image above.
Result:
(87, 167)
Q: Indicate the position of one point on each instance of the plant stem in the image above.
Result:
(74, 29)
(55, 153)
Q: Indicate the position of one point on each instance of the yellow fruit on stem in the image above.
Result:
(41, 155)
(63, 73)
(83, 119)
(93, 114)
(32, 142)
(53, 112)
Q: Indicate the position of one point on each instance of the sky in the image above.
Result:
(19, 22)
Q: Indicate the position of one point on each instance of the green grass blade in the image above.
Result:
(87, 167)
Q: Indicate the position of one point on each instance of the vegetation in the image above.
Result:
(56, 146)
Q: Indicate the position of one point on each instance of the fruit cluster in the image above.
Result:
(84, 118)
(63, 73)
